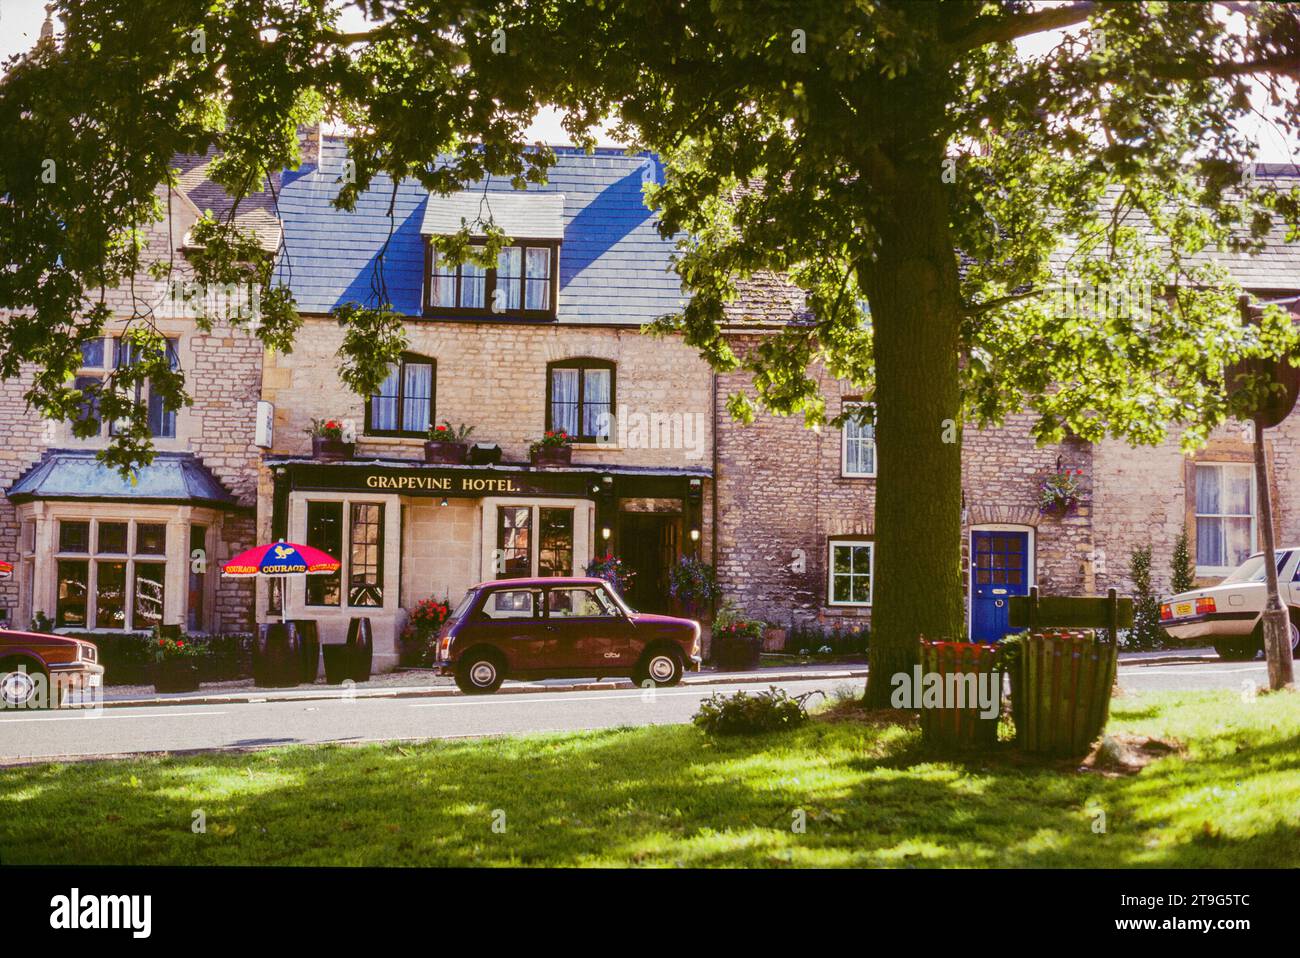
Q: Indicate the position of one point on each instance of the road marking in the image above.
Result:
(519, 699)
(101, 714)
(1176, 670)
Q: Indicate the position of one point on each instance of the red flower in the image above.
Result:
(440, 428)
(162, 641)
(180, 644)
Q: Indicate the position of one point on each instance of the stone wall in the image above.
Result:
(493, 376)
(1146, 496)
(781, 497)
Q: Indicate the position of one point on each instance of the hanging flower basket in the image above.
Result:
(1059, 492)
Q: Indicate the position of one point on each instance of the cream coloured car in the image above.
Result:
(1230, 614)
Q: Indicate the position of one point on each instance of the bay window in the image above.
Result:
(111, 574)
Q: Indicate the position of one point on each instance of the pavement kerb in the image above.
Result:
(334, 692)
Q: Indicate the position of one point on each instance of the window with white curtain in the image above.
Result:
(522, 283)
(1225, 516)
(858, 441)
(404, 404)
(580, 398)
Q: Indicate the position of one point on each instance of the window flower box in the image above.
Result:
(447, 446)
(553, 449)
(332, 440)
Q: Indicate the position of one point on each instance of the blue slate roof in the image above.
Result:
(172, 477)
(614, 266)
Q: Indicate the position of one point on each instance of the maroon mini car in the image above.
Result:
(562, 627)
(37, 669)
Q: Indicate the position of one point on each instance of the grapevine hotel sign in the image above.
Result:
(419, 480)
(444, 484)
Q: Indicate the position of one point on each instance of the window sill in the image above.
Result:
(857, 475)
(848, 605)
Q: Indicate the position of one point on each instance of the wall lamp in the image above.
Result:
(605, 533)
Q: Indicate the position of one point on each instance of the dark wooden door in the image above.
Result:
(649, 543)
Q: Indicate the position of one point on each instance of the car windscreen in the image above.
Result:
(462, 607)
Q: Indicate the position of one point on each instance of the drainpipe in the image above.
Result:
(713, 490)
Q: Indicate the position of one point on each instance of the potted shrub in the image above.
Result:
(332, 440)
(447, 445)
(737, 641)
(417, 640)
(553, 449)
(176, 665)
(613, 570)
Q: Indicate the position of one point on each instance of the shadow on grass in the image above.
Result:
(834, 792)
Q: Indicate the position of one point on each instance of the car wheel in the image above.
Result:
(1295, 637)
(19, 684)
(662, 666)
(480, 673)
(1239, 648)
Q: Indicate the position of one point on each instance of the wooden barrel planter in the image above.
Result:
(958, 722)
(309, 647)
(1060, 691)
(277, 656)
(362, 642)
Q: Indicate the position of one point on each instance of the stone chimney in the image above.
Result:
(309, 144)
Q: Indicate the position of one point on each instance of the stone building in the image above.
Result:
(93, 552)
(563, 349)
(789, 538)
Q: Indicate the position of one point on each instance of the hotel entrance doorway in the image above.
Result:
(649, 543)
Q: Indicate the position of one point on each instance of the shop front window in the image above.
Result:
(110, 595)
(521, 553)
(325, 532)
(555, 547)
(197, 599)
(150, 587)
(112, 574)
(366, 552)
(71, 608)
(514, 542)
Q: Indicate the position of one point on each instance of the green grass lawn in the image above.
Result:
(670, 796)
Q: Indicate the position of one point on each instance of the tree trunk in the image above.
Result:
(915, 301)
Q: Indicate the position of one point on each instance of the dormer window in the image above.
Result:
(523, 284)
(525, 281)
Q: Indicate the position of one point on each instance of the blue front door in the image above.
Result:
(999, 570)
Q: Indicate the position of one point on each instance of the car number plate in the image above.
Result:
(1183, 608)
